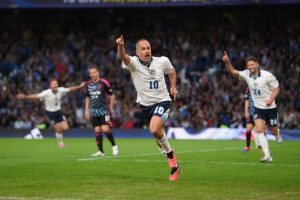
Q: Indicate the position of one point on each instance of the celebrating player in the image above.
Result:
(147, 74)
(98, 109)
(264, 89)
(52, 100)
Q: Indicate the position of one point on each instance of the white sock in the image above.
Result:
(264, 144)
(278, 132)
(59, 137)
(164, 143)
(255, 138)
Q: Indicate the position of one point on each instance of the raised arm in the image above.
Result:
(229, 67)
(121, 50)
(172, 77)
(77, 87)
(27, 97)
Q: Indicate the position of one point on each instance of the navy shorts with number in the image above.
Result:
(161, 110)
(99, 121)
(268, 115)
(55, 117)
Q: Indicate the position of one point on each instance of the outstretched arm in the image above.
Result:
(172, 77)
(121, 50)
(77, 87)
(229, 67)
(27, 97)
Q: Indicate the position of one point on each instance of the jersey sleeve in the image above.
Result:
(272, 82)
(168, 67)
(131, 65)
(86, 93)
(64, 90)
(107, 87)
(243, 75)
(42, 95)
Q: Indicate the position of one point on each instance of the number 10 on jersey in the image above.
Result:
(153, 85)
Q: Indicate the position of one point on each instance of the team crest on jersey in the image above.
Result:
(152, 73)
(255, 84)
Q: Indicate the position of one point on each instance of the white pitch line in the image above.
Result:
(212, 162)
(152, 154)
(32, 198)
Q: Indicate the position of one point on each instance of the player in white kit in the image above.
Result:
(147, 74)
(264, 88)
(52, 101)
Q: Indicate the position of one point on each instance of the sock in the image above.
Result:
(164, 143)
(59, 137)
(248, 138)
(264, 144)
(110, 137)
(256, 138)
(99, 141)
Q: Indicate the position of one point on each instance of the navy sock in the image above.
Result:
(110, 137)
(248, 138)
(99, 141)
(170, 155)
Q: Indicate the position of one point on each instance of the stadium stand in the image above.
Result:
(32, 52)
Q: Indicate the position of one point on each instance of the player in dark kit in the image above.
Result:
(98, 109)
(249, 113)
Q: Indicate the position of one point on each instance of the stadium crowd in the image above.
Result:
(208, 96)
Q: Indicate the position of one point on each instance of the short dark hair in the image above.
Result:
(93, 67)
(252, 58)
(139, 40)
(53, 79)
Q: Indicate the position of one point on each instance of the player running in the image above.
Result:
(264, 89)
(52, 100)
(147, 74)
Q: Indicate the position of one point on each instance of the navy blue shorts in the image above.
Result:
(99, 121)
(268, 115)
(161, 110)
(55, 117)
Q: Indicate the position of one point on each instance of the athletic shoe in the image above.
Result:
(115, 150)
(172, 162)
(97, 154)
(174, 173)
(246, 149)
(266, 159)
(278, 138)
(61, 145)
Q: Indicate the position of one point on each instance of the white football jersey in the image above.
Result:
(150, 82)
(52, 100)
(261, 87)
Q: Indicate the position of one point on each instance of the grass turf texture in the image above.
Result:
(38, 169)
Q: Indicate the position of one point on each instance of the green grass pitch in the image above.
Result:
(39, 170)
